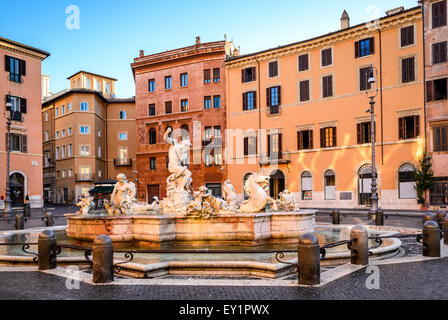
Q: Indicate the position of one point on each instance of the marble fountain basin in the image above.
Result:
(242, 227)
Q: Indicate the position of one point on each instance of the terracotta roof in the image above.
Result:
(93, 74)
(63, 93)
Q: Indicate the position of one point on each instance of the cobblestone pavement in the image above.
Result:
(395, 221)
(417, 280)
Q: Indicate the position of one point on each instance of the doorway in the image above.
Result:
(277, 184)
(17, 187)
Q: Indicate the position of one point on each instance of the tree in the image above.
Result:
(424, 178)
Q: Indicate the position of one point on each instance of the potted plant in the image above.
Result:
(424, 180)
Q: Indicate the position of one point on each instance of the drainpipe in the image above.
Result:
(381, 95)
(259, 114)
(422, 3)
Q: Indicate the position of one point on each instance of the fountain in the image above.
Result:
(186, 216)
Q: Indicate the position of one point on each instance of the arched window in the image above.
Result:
(152, 136)
(307, 186)
(122, 115)
(330, 185)
(365, 184)
(277, 184)
(84, 106)
(406, 182)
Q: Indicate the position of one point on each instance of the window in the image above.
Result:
(217, 102)
(208, 133)
(330, 185)
(250, 146)
(406, 181)
(440, 135)
(216, 75)
(87, 83)
(63, 132)
(407, 70)
(123, 156)
(363, 132)
(123, 136)
(304, 62)
(436, 90)
(327, 86)
(168, 82)
(84, 106)
(16, 68)
(97, 85)
(275, 146)
(99, 133)
(84, 173)
(63, 109)
(249, 100)
(152, 136)
(274, 99)
(307, 186)
(215, 189)
(168, 107)
(217, 132)
(273, 69)
(407, 36)
(248, 74)
(84, 130)
(70, 150)
(208, 159)
(439, 192)
(57, 152)
(328, 137)
(63, 173)
(304, 89)
(184, 80)
(327, 58)
(152, 109)
(46, 136)
(207, 102)
(122, 115)
(107, 87)
(18, 142)
(409, 127)
(70, 107)
(63, 152)
(207, 76)
(439, 54)
(365, 184)
(152, 163)
(70, 131)
(46, 116)
(364, 47)
(57, 134)
(364, 74)
(98, 151)
(151, 85)
(184, 105)
(56, 112)
(305, 139)
(439, 14)
(218, 157)
(84, 151)
(100, 173)
(70, 172)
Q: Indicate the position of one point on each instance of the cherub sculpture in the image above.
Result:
(86, 204)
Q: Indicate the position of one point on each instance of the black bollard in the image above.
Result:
(439, 218)
(359, 246)
(445, 233)
(309, 260)
(431, 240)
(49, 219)
(103, 260)
(26, 210)
(20, 222)
(336, 217)
(427, 217)
(379, 217)
(47, 250)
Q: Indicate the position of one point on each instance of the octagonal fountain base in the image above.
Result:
(165, 228)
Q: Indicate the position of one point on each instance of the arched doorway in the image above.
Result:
(406, 182)
(330, 185)
(365, 184)
(277, 184)
(17, 187)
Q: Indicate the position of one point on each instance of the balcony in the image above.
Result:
(274, 110)
(84, 177)
(275, 158)
(122, 162)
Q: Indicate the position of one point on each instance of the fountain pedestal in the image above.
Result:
(166, 228)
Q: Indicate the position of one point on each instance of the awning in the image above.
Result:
(102, 190)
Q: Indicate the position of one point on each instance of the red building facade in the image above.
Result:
(182, 89)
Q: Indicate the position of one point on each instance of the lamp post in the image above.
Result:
(7, 114)
(371, 93)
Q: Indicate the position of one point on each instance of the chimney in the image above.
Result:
(198, 40)
(394, 11)
(142, 53)
(345, 20)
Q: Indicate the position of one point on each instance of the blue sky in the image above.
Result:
(112, 31)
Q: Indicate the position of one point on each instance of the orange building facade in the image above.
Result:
(88, 137)
(183, 89)
(436, 72)
(20, 84)
(298, 113)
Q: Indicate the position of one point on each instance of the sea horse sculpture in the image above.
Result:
(256, 187)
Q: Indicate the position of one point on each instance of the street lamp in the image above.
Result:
(7, 115)
(371, 93)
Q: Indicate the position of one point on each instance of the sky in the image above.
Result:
(111, 32)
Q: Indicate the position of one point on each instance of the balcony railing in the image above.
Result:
(84, 177)
(274, 110)
(122, 162)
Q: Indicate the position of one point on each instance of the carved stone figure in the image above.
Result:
(257, 187)
(287, 202)
(86, 204)
(121, 198)
(229, 195)
(205, 205)
(179, 182)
